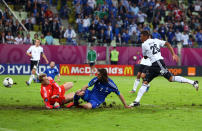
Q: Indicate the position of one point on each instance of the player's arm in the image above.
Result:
(29, 52)
(58, 74)
(175, 57)
(84, 88)
(115, 90)
(45, 96)
(58, 79)
(45, 58)
(144, 51)
(91, 83)
(123, 101)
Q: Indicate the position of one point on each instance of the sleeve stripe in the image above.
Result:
(45, 92)
(113, 85)
(58, 87)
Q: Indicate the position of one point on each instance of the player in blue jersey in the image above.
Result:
(103, 86)
(52, 71)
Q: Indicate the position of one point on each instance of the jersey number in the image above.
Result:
(154, 49)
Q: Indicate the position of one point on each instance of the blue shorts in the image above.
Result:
(87, 97)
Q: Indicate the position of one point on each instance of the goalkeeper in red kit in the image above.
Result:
(52, 93)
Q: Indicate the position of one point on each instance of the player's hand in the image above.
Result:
(58, 80)
(48, 106)
(175, 58)
(47, 62)
(55, 96)
(126, 106)
(80, 92)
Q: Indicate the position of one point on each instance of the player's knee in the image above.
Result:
(70, 84)
(138, 75)
(170, 79)
(143, 75)
(33, 71)
(145, 82)
(88, 106)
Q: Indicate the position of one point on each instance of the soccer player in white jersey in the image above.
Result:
(35, 52)
(143, 69)
(151, 50)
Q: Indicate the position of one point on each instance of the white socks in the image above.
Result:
(31, 78)
(136, 83)
(141, 91)
(182, 80)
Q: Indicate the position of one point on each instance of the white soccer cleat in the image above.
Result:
(196, 85)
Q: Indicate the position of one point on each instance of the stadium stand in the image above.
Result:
(107, 20)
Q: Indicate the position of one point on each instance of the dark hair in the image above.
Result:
(145, 33)
(104, 76)
(41, 76)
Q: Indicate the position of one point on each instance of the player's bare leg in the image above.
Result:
(184, 80)
(87, 106)
(75, 98)
(68, 85)
(69, 97)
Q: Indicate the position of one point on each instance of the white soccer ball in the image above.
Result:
(8, 82)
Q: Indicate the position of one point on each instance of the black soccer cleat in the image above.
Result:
(196, 85)
(27, 83)
(133, 104)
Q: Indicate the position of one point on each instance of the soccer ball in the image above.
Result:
(8, 82)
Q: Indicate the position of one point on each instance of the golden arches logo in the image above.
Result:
(64, 70)
(128, 71)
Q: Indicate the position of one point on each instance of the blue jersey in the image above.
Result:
(101, 90)
(51, 72)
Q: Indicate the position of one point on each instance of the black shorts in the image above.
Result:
(34, 64)
(92, 63)
(143, 68)
(157, 68)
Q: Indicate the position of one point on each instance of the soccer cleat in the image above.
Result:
(132, 91)
(27, 83)
(57, 107)
(196, 85)
(70, 105)
(147, 89)
(134, 104)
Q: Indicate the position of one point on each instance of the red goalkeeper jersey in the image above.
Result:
(47, 91)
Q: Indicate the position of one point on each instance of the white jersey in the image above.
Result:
(151, 49)
(36, 52)
(146, 62)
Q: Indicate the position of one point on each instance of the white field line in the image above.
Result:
(6, 129)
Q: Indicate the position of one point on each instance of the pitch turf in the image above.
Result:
(167, 106)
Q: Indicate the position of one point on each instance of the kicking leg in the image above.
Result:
(68, 85)
(69, 97)
(184, 80)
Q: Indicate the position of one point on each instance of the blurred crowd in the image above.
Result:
(102, 21)
(123, 20)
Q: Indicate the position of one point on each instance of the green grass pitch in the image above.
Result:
(167, 106)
